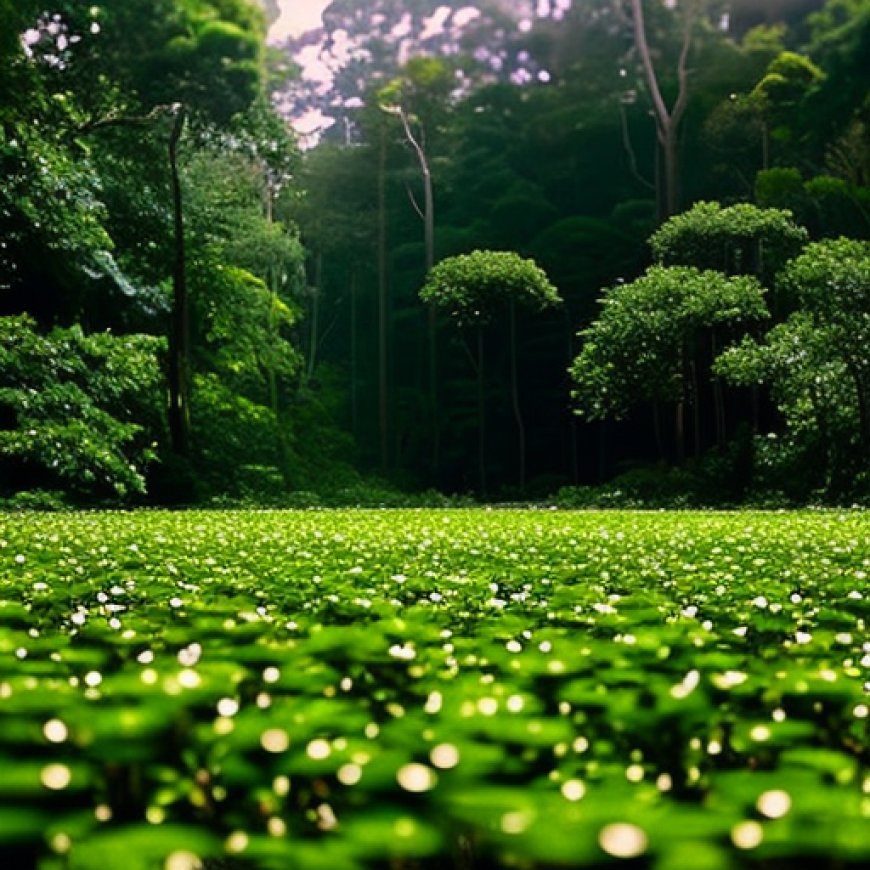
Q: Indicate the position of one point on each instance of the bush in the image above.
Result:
(36, 500)
(78, 412)
(231, 435)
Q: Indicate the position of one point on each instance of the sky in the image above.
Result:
(297, 16)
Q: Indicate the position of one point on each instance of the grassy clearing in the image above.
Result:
(420, 688)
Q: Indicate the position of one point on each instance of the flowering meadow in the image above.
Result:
(415, 689)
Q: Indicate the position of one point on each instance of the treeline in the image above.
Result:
(620, 123)
(192, 309)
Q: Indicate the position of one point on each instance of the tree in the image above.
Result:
(817, 368)
(740, 239)
(780, 96)
(124, 115)
(52, 222)
(182, 60)
(831, 281)
(648, 339)
(840, 42)
(417, 97)
(471, 288)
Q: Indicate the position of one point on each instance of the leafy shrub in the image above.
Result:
(740, 239)
(77, 411)
(36, 500)
(231, 434)
(719, 478)
(375, 492)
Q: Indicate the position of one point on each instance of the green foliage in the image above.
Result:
(549, 169)
(583, 254)
(242, 330)
(87, 236)
(781, 188)
(51, 217)
(737, 240)
(472, 287)
(828, 206)
(839, 208)
(207, 55)
(546, 688)
(831, 280)
(840, 44)
(639, 488)
(812, 391)
(422, 89)
(231, 433)
(80, 411)
(816, 366)
(636, 349)
(320, 454)
(788, 78)
(720, 478)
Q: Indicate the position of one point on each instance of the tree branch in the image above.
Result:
(414, 203)
(661, 110)
(114, 119)
(629, 150)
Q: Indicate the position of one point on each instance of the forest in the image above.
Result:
(601, 253)
(435, 440)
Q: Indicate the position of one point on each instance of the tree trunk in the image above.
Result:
(667, 120)
(602, 452)
(431, 320)
(354, 399)
(314, 339)
(481, 414)
(179, 333)
(680, 416)
(680, 431)
(671, 178)
(515, 396)
(383, 386)
(695, 395)
(855, 369)
(657, 430)
(718, 397)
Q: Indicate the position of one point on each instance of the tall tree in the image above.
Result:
(189, 61)
(418, 97)
(645, 344)
(816, 366)
(471, 288)
(668, 118)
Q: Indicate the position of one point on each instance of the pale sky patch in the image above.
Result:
(465, 15)
(313, 121)
(404, 27)
(297, 17)
(434, 25)
(313, 67)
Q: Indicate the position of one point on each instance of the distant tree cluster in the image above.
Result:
(756, 147)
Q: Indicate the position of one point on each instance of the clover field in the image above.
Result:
(414, 689)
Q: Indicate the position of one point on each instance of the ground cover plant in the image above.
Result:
(465, 688)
